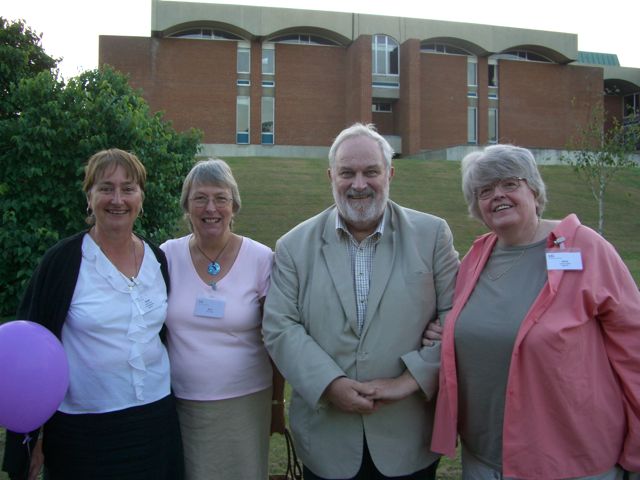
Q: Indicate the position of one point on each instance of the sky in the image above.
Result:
(70, 28)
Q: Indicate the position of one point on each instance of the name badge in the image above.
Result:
(146, 304)
(565, 259)
(209, 307)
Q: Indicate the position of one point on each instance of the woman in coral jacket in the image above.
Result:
(540, 372)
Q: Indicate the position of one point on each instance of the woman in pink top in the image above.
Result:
(540, 373)
(229, 396)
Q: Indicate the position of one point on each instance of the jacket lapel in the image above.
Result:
(336, 257)
(383, 263)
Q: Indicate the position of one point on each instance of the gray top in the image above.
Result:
(485, 333)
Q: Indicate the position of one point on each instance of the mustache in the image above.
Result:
(353, 193)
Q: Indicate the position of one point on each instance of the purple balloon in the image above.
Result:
(34, 375)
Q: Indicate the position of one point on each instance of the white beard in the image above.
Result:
(364, 212)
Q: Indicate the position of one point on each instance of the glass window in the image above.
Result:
(493, 125)
(381, 107)
(631, 105)
(493, 75)
(385, 55)
(304, 39)
(244, 59)
(431, 47)
(267, 120)
(268, 59)
(472, 125)
(524, 55)
(242, 120)
(206, 34)
(472, 72)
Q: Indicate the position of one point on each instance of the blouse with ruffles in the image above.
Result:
(110, 335)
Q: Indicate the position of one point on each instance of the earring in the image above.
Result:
(89, 211)
(141, 213)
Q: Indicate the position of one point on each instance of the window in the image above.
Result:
(267, 120)
(381, 107)
(242, 120)
(631, 106)
(431, 47)
(268, 59)
(385, 55)
(303, 39)
(493, 125)
(472, 125)
(206, 34)
(523, 55)
(472, 72)
(244, 58)
(493, 74)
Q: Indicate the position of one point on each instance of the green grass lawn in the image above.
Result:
(277, 194)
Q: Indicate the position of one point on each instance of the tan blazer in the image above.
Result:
(310, 330)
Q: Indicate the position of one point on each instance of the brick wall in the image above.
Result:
(192, 81)
(443, 101)
(542, 104)
(310, 94)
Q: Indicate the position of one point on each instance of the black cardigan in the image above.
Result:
(46, 301)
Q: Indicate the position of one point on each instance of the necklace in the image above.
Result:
(213, 268)
(517, 259)
(131, 280)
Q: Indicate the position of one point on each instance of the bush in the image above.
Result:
(49, 131)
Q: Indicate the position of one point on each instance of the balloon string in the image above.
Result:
(27, 441)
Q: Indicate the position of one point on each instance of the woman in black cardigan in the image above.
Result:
(103, 293)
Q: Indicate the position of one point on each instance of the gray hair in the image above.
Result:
(211, 171)
(361, 130)
(497, 162)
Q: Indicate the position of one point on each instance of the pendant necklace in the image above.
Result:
(213, 268)
(132, 281)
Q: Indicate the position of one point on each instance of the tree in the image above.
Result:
(45, 142)
(21, 56)
(599, 154)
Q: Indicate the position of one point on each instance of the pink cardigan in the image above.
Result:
(573, 390)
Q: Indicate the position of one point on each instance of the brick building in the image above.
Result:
(275, 81)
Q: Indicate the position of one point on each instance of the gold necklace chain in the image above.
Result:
(517, 259)
(132, 278)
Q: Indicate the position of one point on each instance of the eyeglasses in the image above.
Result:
(203, 200)
(506, 185)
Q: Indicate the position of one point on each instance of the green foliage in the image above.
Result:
(45, 141)
(21, 56)
(599, 154)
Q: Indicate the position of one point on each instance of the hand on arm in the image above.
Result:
(432, 333)
(388, 390)
(350, 396)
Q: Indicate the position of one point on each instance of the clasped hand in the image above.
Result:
(366, 397)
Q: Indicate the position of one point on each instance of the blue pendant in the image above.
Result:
(213, 268)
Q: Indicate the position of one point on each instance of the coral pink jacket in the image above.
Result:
(573, 390)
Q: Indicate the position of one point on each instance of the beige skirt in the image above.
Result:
(226, 439)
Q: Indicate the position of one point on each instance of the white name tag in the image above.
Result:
(209, 307)
(145, 304)
(564, 260)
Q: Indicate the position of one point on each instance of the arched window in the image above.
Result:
(303, 39)
(206, 34)
(445, 48)
(524, 55)
(385, 55)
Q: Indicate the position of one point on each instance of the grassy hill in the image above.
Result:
(277, 194)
